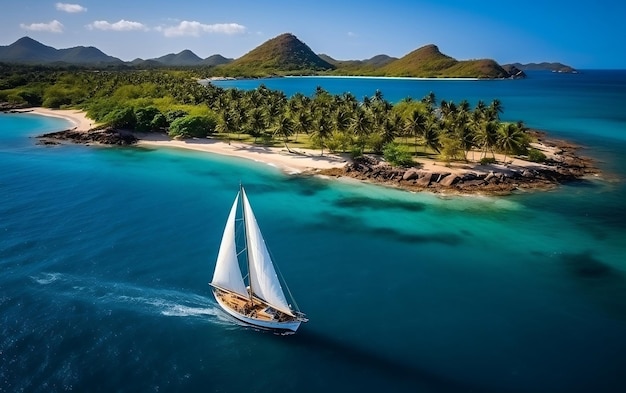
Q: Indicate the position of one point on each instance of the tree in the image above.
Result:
(322, 130)
(226, 124)
(511, 139)
(450, 148)
(121, 118)
(487, 137)
(145, 118)
(257, 123)
(303, 122)
(284, 128)
(396, 155)
(361, 126)
(192, 126)
(431, 136)
(415, 125)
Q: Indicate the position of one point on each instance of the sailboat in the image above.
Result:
(261, 302)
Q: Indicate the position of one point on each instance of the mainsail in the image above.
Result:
(227, 273)
(263, 278)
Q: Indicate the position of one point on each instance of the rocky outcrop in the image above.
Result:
(514, 72)
(106, 136)
(490, 179)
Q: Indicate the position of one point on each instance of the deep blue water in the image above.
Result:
(106, 253)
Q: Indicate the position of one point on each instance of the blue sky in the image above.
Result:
(589, 36)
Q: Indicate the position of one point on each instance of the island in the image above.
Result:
(562, 164)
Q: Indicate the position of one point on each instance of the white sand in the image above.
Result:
(297, 161)
(77, 117)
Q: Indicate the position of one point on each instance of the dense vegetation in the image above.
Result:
(175, 102)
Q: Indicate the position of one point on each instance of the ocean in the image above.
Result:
(106, 252)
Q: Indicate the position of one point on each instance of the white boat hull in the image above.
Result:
(271, 325)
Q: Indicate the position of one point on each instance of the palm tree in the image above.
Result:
(467, 138)
(322, 129)
(431, 135)
(415, 125)
(303, 122)
(391, 127)
(494, 109)
(284, 128)
(361, 126)
(487, 136)
(430, 100)
(342, 120)
(257, 123)
(378, 96)
(510, 138)
(226, 124)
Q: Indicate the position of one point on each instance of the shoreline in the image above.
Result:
(77, 117)
(563, 165)
(299, 160)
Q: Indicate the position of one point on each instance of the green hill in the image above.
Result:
(284, 54)
(429, 62)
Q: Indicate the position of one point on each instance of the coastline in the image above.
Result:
(297, 161)
(429, 175)
(77, 117)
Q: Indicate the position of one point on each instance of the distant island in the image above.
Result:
(554, 67)
(281, 55)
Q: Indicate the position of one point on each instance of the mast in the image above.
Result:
(245, 236)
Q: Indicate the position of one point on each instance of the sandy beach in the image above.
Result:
(297, 161)
(77, 117)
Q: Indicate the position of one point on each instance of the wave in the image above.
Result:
(46, 278)
(107, 295)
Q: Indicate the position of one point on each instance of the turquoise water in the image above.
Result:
(106, 253)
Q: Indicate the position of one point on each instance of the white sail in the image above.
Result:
(263, 279)
(227, 273)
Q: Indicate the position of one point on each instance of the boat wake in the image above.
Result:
(108, 296)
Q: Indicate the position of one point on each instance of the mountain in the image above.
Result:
(27, 50)
(428, 61)
(216, 60)
(376, 61)
(284, 53)
(184, 58)
(554, 67)
(380, 60)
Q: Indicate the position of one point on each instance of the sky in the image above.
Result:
(584, 35)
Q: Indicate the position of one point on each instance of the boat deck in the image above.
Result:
(252, 309)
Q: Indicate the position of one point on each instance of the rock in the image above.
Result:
(410, 174)
(449, 180)
(107, 136)
(424, 181)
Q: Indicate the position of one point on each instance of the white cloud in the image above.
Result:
(122, 25)
(193, 28)
(351, 34)
(71, 8)
(52, 27)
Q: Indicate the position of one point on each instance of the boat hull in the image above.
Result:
(291, 326)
